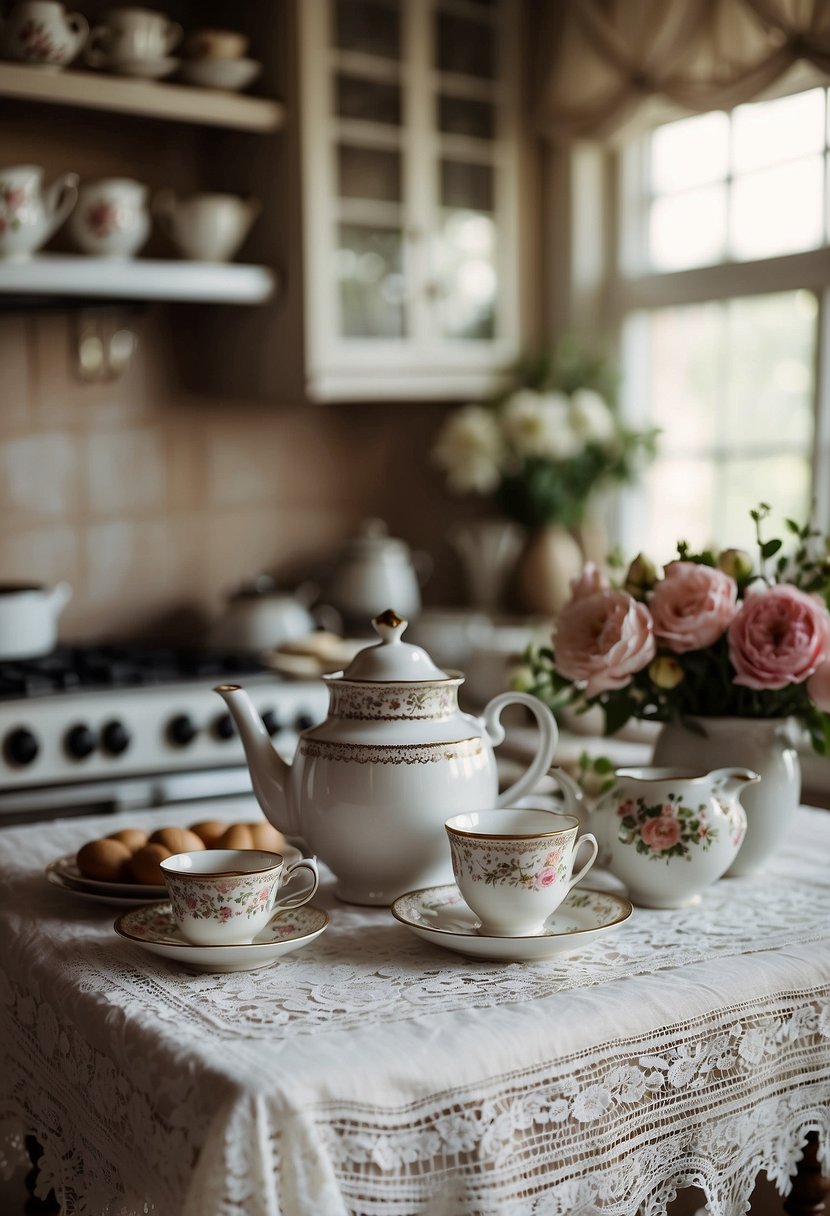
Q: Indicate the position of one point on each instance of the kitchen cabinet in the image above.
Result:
(410, 178)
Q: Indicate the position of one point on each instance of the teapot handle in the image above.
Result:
(59, 199)
(548, 731)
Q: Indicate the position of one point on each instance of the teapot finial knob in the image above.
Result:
(389, 626)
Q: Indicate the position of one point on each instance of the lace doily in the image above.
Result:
(431, 1083)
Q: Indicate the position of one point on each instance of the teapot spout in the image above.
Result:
(270, 775)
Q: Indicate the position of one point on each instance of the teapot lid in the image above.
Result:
(391, 659)
(373, 540)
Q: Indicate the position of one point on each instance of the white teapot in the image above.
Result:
(369, 788)
(29, 211)
(373, 569)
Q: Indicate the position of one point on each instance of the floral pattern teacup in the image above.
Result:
(225, 897)
(514, 866)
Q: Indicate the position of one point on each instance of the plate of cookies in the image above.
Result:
(123, 867)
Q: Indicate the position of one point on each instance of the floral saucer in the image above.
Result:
(440, 915)
(153, 928)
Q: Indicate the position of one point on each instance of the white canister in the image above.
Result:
(131, 35)
(111, 219)
(42, 34)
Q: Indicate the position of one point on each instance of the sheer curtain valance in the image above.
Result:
(605, 66)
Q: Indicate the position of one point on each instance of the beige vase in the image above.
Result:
(551, 561)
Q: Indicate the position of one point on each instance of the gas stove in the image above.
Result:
(107, 727)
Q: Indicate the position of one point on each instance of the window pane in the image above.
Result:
(369, 268)
(768, 132)
(768, 390)
(778, 211)
(374, 29)
(686, 358)
(368, 100)
(730, 384)
(467, 185)
(688, 229)
(467, 48)
(692, 152)
(369, 173)
(466, 116)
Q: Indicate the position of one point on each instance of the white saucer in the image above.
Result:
(153, 928)
(439, 915)
(229, 74)
(145, 69)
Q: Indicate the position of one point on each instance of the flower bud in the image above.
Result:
(665, 672)
(736, 563)
(641, 577)
(523, 679)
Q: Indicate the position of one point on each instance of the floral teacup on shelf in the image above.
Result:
(514, 866)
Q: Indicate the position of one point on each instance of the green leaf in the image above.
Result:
(770, 547)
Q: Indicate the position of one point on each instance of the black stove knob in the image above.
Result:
(21, 746)
(115, 738)
(182, 730)
(80, 741)
(223, 727)
(271, 722)
(305, 720)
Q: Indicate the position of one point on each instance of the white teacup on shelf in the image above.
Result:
(29, 211)
(513, 865)
(42, 34)
(206, 227)
(111, 219)
(225, 897)
(130, 36)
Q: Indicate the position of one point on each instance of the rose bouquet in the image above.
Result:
(713, 634)
(545, 444)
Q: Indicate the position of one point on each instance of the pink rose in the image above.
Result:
(660, 833)
(780, 636)
(818, 687)
(692, 606)
(602, 639)
(547, 878)
(590, 580)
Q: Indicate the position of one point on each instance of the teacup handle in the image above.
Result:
(59, 199)
(77, 25)
(585, 838)
(297, 901)
(548, 731)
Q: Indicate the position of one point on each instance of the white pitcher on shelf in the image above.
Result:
(42, 34)
(31, 212)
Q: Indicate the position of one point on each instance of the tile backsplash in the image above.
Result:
(154, 504)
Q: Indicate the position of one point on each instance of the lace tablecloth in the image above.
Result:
(374, 1074)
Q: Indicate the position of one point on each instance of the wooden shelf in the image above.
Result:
(144, 98)
(77, 277)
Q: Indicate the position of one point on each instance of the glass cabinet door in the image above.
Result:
(410, 208)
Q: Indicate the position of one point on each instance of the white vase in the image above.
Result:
(489, 549)
(762, 744)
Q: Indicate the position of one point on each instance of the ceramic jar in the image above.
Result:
(29, 211)
(373, 571)
(111, 219)
(763, 744)
(131, 36)
(42, 34)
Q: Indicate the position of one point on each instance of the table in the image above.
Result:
(373, 1073)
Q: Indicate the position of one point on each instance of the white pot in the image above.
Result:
(206, 227)
(29, 619)
(375, 571)
(42, 34)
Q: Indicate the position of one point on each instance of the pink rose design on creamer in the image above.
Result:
(603, 638)
(660, 833)
(780, 636)
(692, 606)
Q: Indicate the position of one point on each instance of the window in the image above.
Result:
(723, 260)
